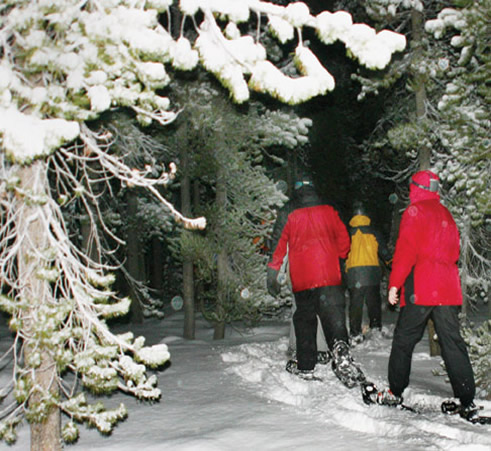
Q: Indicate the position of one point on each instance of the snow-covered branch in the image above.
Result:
(135, 177)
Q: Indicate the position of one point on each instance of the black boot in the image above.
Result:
(470, 412)
(292, 367)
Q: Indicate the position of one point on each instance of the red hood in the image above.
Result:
(417, 194)
(422, 178)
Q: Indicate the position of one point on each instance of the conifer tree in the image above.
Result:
(229, 150)
(478, 340)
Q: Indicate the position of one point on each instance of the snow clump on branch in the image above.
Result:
(232, 68)
(26, 137)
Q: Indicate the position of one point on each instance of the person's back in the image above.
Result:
(430, 238)
(315, 238)
(363, 263)
(315, 243)
(363, 272)
(425, 267)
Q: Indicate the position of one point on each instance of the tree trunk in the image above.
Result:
(87, 246)
(433, 339)
(222, 259)
(417, 26)
(187, 265)
(198, 285)
(45, 435)
(291, 172)
(157, 269)
(222, 274)
(188, 298)
(219, 331)
(134, 262)
(464, 260)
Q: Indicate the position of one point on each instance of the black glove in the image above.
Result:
(272, 282)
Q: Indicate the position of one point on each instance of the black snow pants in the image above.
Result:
(329, 305)
(409, 331)
(358, 296)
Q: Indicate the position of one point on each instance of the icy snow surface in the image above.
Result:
(235, 395)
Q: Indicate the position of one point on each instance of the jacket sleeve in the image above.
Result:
(383, 251)
(279, 239)
(342, 238)
(405, 252)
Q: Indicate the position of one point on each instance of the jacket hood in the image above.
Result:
(359, 220)
(306, 196)
(419, 187)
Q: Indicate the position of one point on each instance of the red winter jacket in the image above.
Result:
(426, 253)
(316, 239)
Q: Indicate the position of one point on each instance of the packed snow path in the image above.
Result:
(260, 366)
(236, 395)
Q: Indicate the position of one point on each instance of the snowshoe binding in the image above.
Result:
(369, 393)
(323, 357)
(343, 366)
(292, 368)
(372, 395)
(469, 412)
(387, 398)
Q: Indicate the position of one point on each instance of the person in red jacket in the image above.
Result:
(315, 238)
(424, 270)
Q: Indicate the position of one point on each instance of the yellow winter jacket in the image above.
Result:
(364, 245)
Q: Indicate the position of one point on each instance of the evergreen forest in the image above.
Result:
(146, 147)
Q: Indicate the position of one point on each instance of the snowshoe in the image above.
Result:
(469, 413)
(292, 368)
(343, 366)
(369, 393)
(450, 407)
(387, 398)
(372, 395)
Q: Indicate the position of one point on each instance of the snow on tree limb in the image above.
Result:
(135, 177)
(217, 54)
(101, 54)
(43, 138)
(65, 62)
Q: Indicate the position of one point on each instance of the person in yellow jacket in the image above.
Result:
(363, 272)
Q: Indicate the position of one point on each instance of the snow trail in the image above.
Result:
(261, 367)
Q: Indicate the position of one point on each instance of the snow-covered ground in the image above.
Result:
(235, 395)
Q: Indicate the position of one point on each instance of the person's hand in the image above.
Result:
(393, 296)
(272, 282)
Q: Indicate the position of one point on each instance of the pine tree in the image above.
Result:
(478, 340)
(463, 153)
(226, 148)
